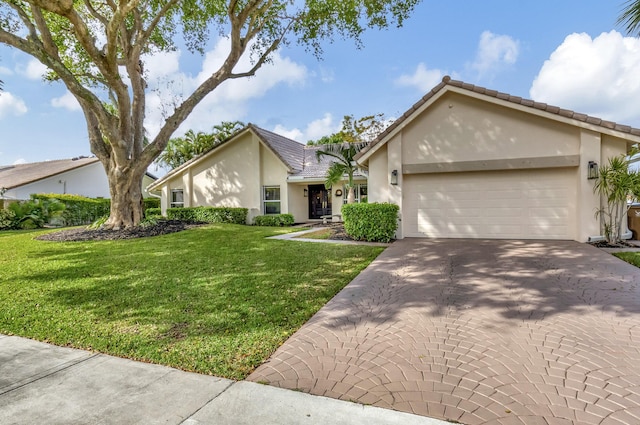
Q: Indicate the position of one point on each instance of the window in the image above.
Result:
(360, 192)
(271, 199)
(177, 198)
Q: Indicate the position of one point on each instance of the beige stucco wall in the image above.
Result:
(298, 204)
(233, 176)
(459, 128)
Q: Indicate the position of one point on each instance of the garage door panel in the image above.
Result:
(524, 204)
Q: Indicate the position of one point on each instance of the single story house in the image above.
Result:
(83, 176)
(469, 162)
(259, 170)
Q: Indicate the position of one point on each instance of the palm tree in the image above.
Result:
(630, 17)
(344, 164)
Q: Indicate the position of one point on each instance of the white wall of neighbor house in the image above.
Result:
(89, 180)
(462, 148)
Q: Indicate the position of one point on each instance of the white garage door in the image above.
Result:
(522, 204)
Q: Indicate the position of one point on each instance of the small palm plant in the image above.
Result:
(344, 164)
(617, 185)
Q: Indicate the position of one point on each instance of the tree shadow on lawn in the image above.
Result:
(509, 281)
(145, 296)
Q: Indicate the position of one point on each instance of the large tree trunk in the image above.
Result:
(125, 187)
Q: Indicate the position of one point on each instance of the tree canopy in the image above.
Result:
(99, 48)
(343, 146)
(355, 130)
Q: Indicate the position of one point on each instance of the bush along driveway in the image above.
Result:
(217, 299)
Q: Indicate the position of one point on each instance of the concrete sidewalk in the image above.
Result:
(42, 383)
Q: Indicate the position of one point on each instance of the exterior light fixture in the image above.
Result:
(592, 170)
(394, 177)
(339, 192)
(306, 192)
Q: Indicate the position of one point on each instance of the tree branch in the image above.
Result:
(103, 20)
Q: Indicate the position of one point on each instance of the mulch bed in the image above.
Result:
(163, 227)
(605, 244)
(337, 231)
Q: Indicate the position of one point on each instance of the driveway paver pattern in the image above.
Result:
(479, 332)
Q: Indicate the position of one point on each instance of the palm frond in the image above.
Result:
(335, 173)
(630, 17)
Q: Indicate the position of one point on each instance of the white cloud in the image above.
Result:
(327, 75)
(322, 127)
(11, 105)
(5, 71)
(293, 134)
(19, 161)
(161, 65)
(66, 101)
(315, 129)
(594, 76)
(494, 52)
(35, 70)
(423, 79)
(227, 102)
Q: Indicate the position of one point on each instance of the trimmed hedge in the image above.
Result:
(209, 214)
(274, 220)
(78, 209)
(151, 203)
(152, 212)
(370, 222)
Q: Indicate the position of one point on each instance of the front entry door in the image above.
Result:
(319, 201)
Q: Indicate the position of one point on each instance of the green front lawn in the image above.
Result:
(629, 257)
(217, 299)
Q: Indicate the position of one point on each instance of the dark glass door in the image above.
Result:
(319, 201)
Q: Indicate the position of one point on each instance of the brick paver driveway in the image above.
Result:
(500, 332)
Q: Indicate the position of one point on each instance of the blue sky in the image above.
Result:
(567, 53)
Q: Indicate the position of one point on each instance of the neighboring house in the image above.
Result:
(258, 170)
(78, 176)
(468, 162)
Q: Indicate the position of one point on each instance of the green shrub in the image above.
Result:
(274, 220)
(209, 214)
(78, 209)
(7, 219)
(152, 213)
(35, 213)
(150, 221)
(99, 222)
(370, 222)
(151, 203)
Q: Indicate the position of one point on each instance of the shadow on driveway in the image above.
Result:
(478, 332)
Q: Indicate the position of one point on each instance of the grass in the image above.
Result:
(629, 257)
(216, 300)
(318, 234)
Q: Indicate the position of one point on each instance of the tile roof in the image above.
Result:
(289, 151)
(447, 81)
(20, 174)
(299, 159)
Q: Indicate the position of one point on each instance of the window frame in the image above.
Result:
(356, 192)
(266, 201)
(176, 204)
